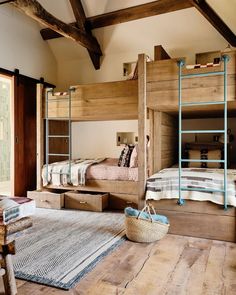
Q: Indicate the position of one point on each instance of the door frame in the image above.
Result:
(12, 135)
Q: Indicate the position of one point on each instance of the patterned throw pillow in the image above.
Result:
(134, 157)
(125, 155)
(204, 154)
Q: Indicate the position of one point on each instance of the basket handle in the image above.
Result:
(147, 210)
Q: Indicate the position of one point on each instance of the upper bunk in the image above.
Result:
(162, 88)
(119, 100)
(99, 101)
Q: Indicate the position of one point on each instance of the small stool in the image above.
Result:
(6, 269)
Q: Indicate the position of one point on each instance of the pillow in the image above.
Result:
(125, 155)
(204, 154)
(134, 157)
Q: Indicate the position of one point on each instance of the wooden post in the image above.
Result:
(160, 53)
(151, 143)
(40, 134)
(6, 263)
(142, 135)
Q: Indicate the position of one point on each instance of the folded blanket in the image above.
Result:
(144, 215)
(58, 172)
(9, 210)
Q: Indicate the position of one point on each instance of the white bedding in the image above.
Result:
(165, 185)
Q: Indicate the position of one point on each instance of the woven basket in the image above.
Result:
(145, 230)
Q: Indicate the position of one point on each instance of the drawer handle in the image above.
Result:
(82, 202)
(45, 201)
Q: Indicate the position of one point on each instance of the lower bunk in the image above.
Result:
(202, 214)
(94, 176)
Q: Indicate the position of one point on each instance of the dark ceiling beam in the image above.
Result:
(205, 9)
(5, 2)
(34, 9)
(137, 12)
(128, 14)
(80, 17)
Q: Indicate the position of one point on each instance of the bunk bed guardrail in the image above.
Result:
(225, 59)
(68, 136)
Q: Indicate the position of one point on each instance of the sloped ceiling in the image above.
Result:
(170, 30)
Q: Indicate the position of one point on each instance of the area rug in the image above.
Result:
(64, 245)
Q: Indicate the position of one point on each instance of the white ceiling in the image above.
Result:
(172, 30)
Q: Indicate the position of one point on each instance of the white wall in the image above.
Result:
(213, 123)
(22, 46)
(182, 33)
(98, 139)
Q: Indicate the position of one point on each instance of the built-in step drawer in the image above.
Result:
(47, 199)
(121, 201)
(89, 201)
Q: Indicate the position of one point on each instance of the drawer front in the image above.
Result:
(121, 201)
(47, 200)
(88, 202)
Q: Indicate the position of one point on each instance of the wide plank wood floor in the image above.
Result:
(175, 265)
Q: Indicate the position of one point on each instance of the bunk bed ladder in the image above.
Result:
(68, 136)
(181, 104)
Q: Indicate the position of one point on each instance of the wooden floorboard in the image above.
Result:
(175, 265)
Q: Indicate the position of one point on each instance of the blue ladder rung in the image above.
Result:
(60, 155)
(202, 160)
(203, 103)
(203, 74)
(202, 189)
(59, 136)
(201, 131)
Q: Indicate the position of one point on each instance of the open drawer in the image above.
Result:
(90, 201)
(47, 199)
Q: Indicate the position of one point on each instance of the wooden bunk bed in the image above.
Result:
(91, 102)
(155, 96)
(200, 219)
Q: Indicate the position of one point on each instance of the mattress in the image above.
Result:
(109, 170)
(105, 169)
(165, 185)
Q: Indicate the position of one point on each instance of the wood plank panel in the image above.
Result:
(162, 86)
(100, 101)
(165, 70)
(112, 186)
(195, 83)
(201, 225)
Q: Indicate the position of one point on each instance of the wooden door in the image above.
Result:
(25, 135)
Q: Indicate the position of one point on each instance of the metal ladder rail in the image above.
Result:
(69, 136)
(225, 58)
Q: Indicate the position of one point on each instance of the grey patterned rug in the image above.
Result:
(64, 245)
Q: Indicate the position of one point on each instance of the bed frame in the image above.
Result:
(199, 219)
(91, 102)
(155, 96)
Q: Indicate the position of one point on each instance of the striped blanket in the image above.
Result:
(58, 172)
(165, 185)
